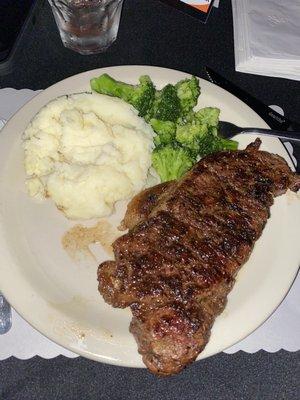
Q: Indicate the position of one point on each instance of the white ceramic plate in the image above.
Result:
(59, 297)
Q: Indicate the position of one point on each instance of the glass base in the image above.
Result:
(95, 48)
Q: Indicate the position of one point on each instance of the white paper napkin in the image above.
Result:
(267, 36)
(280, 331)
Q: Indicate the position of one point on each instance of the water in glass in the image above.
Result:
(87, 26)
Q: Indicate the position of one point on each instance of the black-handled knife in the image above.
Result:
(272, 118)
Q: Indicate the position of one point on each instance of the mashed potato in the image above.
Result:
(86, 151)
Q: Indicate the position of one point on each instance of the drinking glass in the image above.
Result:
(5, 315)
(87, 26)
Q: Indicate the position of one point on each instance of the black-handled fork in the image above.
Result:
(275, 120)
(227, 130)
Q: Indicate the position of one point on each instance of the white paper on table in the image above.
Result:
(275, 28)
(267, 36)
(280, 331)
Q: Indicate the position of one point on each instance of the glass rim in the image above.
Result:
(93, 3)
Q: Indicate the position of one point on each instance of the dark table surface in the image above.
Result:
(154, 34)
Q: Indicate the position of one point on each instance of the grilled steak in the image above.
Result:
(142, 204)
(186, 243)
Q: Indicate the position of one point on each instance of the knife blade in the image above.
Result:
(272, 118)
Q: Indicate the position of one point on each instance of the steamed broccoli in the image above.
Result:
(188, 91)
(208, 116)
(139, 96)
(190, 134)
(200, 134)
(212, 143)
(166, 105)
(165, 131)
(171, 161)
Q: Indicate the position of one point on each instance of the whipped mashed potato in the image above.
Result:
(87, 151)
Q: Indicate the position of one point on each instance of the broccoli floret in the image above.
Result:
(171, 161)
(190, 134)
(208, 116)
(166, 105)
(165, 131)
(188, 91)
(212, 143)
(139, 96)
(200, 134)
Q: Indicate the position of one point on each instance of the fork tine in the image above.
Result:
(227, 130)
